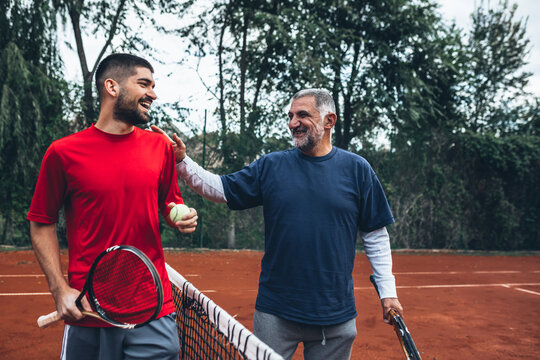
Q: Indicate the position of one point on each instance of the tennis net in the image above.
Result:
(206, 331)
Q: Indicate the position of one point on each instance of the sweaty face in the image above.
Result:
(135, 97)
(305, 124)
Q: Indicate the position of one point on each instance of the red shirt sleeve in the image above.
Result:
(50, 189)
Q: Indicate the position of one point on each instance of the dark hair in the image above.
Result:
(118, 67)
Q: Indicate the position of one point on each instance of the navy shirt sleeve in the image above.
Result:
(242, 188)
(374, 209)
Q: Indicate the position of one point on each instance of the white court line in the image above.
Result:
(461, 272)
(454, 286)
(509, 286)
(528, 291)
(48, 293)
(396, 273)
(429, 273)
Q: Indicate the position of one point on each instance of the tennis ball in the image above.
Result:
(178, 212)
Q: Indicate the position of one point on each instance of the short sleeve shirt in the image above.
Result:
(112, 188)
(313, 208)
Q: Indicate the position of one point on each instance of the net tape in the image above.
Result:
(206, 331)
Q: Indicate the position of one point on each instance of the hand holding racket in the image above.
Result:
(404, 337)
(124, 289)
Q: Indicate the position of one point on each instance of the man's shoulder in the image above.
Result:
(350, 156)
(70, 139)
(280, 154)
(148, 135)
(275, 157)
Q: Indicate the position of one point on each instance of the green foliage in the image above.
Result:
(392, 66)
(461, 166)
(118, 24)
(495, 80)
(501, 176)
(31, 108)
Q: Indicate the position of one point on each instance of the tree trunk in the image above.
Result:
(243, 69)
(231, 232)
(88, 99)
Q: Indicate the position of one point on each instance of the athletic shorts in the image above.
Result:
(157, 340)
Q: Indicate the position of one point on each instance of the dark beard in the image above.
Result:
(125, 111)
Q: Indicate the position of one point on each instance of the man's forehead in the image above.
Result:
(143, 73)
(303, 103)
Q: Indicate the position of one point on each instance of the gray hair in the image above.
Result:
(323, 100)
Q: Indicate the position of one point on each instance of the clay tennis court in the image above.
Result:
(456, 306)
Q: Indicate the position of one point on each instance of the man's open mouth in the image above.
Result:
(145, 104)
(299, 131)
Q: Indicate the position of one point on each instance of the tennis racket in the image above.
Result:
(405, 338)
(123, 287)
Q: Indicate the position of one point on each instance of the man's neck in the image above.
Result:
(113, 126)
(321, 149)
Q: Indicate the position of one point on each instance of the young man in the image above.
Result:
(316, 198)
(113, 179)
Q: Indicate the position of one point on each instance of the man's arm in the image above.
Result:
(47, 251)
(377, 247)
(202, 181)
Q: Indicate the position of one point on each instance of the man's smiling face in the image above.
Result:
(305, 123)
(135, 97)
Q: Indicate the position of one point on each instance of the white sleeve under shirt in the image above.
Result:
(377, 247)
(202, 181)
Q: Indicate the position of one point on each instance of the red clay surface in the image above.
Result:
(456, 306)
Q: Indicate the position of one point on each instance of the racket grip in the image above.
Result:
(46, 320)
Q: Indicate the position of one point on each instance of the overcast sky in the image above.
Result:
(176, 82)
(460, 11)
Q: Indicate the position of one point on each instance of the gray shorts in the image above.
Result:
(156, 340)
(320, 342)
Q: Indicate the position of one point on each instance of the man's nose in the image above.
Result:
(293, 122)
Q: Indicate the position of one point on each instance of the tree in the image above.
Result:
(246, 38)
(31, 106)
(113, 22)
(495, 80)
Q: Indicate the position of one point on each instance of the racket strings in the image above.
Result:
(124, 288)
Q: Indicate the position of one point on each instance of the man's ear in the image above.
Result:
(330, 120)
(112, 87)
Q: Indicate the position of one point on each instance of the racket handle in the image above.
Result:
(46, 320)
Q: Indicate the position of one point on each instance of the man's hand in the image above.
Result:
(178, 145)
(46, 249)
(65, 304)
(188, 224)
(387, 305)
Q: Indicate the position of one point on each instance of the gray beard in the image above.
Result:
(311, 140)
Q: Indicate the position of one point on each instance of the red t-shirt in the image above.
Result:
(112, 188)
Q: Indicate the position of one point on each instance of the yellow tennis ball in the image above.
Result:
(178, 212)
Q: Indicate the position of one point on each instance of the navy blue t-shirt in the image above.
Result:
(313, 208)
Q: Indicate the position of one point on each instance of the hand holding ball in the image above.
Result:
(178, 212)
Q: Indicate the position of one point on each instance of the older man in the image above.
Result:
(316, 198)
